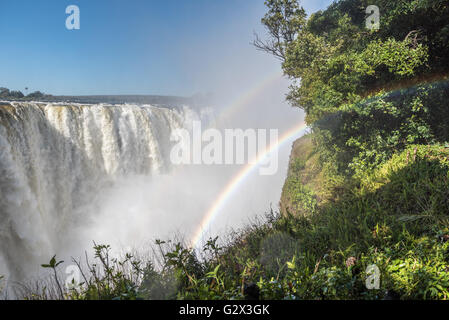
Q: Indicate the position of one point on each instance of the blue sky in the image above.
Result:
(178, 47)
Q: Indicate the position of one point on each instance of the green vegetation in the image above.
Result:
(395, 217)
(376, 104)
(368, 186)
(195, 100)
(7, 94)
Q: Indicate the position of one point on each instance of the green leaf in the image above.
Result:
(53, 261)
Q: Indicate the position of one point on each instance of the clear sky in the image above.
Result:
(171, 47)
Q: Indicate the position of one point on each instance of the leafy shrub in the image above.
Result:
(365, 134)
(302, 197)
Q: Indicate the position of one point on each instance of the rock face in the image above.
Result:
(303, 189)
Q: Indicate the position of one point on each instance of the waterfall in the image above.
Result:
(54, 161)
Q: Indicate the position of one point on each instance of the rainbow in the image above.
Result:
(246, 98)
(240, 177)
(238, 180)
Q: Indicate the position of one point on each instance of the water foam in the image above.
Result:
(55, 161)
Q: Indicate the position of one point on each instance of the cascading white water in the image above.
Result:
(56, 159)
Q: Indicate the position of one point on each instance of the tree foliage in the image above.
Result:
(282, 21)
(7, 94)
(343, 74)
